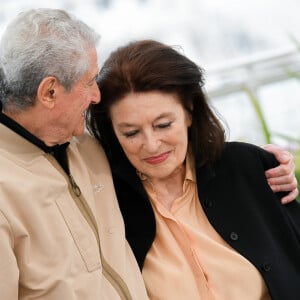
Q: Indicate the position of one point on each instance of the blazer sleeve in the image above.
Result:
(9, 272)
(256, 158)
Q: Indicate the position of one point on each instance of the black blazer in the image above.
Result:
(239, 204)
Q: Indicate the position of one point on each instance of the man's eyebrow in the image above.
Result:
(94, 77)
(97, 75)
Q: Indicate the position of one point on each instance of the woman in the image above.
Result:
(199, 213)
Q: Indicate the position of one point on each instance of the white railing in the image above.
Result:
(272, 78)
(255, 71)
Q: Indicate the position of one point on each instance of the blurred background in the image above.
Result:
(250, 51)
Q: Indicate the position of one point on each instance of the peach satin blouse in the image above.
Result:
(189, 259)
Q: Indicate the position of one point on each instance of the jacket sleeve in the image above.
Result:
(267, 160)
(293, 213)
(243, 209)
(9, 272)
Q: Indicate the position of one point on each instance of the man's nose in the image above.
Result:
(96, 95)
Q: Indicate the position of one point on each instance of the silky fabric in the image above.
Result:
(188, 258)
(238, 203)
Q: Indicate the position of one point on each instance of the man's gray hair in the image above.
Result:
(40, 43)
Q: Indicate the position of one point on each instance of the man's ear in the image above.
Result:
(47, 90)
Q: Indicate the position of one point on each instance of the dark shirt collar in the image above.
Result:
(58, 151)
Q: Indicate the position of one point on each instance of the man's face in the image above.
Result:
(70, 106)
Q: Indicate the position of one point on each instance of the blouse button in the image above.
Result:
(234, 236)
(266, 266)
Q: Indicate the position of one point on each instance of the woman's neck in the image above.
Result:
(169, 189)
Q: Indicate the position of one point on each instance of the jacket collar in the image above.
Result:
(17, 133)
(128, 173)
(205, 173)
(17, 128)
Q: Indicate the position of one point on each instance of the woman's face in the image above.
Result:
(152, 128)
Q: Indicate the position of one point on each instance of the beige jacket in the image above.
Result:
(49, 237)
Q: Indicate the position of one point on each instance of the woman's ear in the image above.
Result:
(188, 117)
(189, 114)
(46, 93)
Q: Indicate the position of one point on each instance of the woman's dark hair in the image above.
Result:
(149, 65)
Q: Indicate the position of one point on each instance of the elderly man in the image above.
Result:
(61, 231)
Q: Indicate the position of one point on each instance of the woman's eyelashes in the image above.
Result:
(164, 125)
(132, 133)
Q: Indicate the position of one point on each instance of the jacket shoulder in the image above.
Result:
(248, 154)
(91, 151)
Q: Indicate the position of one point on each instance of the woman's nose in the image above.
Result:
(151, 143)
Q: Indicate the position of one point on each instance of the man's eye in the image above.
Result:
(94, 80)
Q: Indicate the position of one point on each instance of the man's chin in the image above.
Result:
(78, 133)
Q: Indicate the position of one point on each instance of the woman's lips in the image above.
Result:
(157, 159)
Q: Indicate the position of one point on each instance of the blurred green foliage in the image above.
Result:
(268, 134)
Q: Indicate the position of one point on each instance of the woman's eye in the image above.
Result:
(164, 125)
(130, 133)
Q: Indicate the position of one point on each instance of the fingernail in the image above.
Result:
(284, 157)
